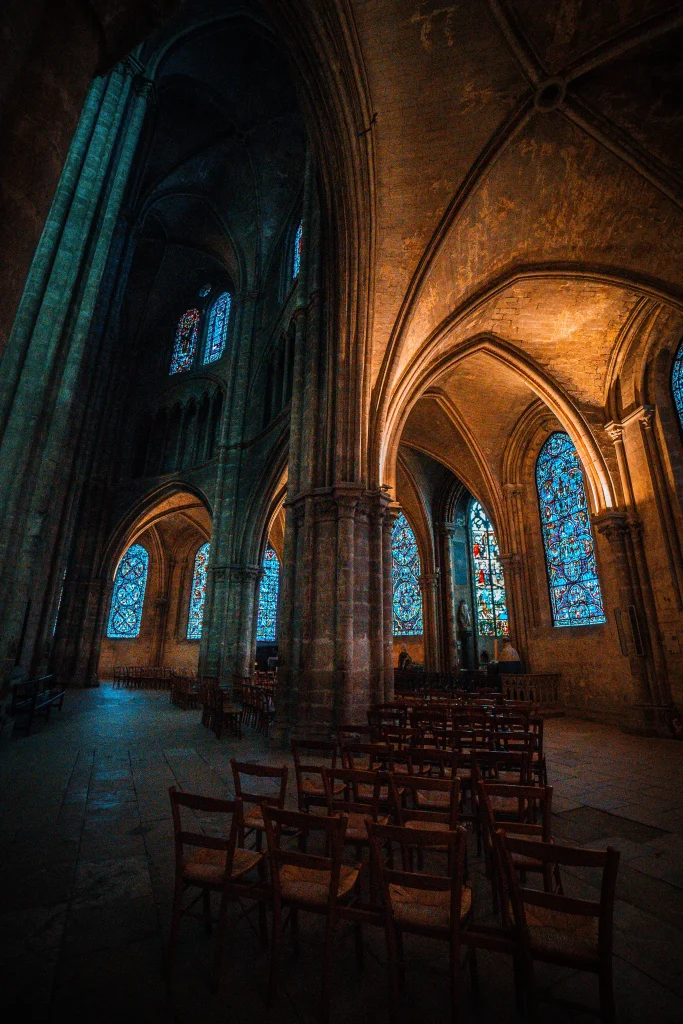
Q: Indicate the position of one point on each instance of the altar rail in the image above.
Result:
(542, 688)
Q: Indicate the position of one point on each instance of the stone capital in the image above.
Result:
(511, 489)
(613, 523)
(444, 529)
(510, 560)
(615, 431)
(646, 416)
(428, 580)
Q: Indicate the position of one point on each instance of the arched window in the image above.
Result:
(218, 328)
(198, 594)
(185, 345)
(489, 583)
(128, 598)
(298, 243)
(267, 600)
(405, 575)
(677, 383)
(569, 553)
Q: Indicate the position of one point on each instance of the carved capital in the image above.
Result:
(511, 490)
(510, 560)
(614, 524)
(428, 581)
(219, 572)
(444, 529)
(614, 431)
(646, 416)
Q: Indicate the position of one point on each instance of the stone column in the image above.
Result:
(428, 583)
(517, 582)
(448, 656)
(514, 595)
(617, 526)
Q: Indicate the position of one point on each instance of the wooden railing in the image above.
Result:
(542, 688)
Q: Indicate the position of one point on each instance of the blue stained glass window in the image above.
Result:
(405, 575)
(185, 345)
(489, 583)
(298, 243)
(267, 602)
(218, 328)
(569, 552)
(128, 597)
(198, 594)
(677, 382)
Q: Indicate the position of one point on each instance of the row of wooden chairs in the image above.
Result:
(219, 712)
(141, 677)
(185, 691)
(535, 924)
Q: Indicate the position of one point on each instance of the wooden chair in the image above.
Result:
(253, 818)
(353, 734)
(435, 906)
(216, 864)
(426, 803)
(318, 884)
(559, 929)
(520, 812)
(310, 788)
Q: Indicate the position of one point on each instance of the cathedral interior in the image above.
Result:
(341, 387)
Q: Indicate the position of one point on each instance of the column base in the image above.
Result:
(648, 720)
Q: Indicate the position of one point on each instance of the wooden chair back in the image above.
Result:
(368, 757)
(246, 770)
(310, 757)
(346, 789)
(224, 839)
(384, 839)
(554, 857)
(332, 829)
(414, 799)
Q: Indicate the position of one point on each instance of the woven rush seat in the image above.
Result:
(208, 866)
(316, 787)
(356, 827)
(429, 826)
(433, 799)
(311, 885)
(552, 931)
(365, 792)
(425, 909)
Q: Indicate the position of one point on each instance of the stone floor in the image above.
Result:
(87, 857)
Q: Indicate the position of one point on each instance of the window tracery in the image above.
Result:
(575, 594)
(266, 623)
(130, 582)
(405, 576)
(217, 331)
(185, 344)
(198, 593)
(487, 571)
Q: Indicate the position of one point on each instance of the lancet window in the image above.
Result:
(298, 244)
(489, 583)
(575, 594)
(217, 331)
(405, 575)
(125, 614)
(185, 345)
(677, 383)
(198, 593)
(266, 624)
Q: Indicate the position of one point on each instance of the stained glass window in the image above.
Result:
(569, 553)
(298, 243)
(405, 575)
(218, 328)
(677, 382)
(128, 597)
(267, 601)
(198, 594)
(185, 345)
(489, 583)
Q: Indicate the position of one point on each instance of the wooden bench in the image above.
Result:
(33, 697)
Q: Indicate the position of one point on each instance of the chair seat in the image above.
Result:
(367, 792)
(428, 826)
(357, 825)
(506, 804)
(207, 867)
(311, 885)
(315, 787)
(422, 908)
(553, 931)
(433, 799)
